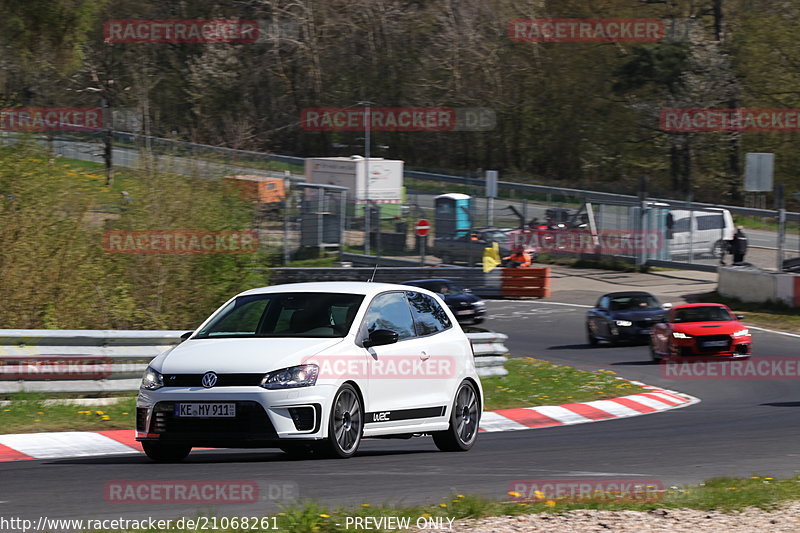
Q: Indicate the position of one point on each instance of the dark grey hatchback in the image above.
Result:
(468, 308)
(623, 316)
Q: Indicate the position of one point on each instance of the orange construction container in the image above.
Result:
(260, 189)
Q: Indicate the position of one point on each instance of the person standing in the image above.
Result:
(739, 245)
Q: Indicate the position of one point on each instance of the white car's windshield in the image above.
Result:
(317, 314)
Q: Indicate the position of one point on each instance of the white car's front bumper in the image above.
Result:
(263, 417)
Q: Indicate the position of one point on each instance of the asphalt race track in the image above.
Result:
(740, 428)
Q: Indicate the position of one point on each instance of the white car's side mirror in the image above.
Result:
(666, 306)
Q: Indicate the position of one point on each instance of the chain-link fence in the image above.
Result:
(305, 220)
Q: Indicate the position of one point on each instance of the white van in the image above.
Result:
(701, 231)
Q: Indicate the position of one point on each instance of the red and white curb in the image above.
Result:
(67, 444)
(655, 401)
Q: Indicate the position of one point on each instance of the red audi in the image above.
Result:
(698, 330)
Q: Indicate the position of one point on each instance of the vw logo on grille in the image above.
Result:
(209, 380)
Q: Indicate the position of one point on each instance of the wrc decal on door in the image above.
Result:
(404, 414)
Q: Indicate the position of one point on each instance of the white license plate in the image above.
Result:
(711, 344)
(465, 312)
(205, 410)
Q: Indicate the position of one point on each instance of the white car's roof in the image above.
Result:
(347, 287)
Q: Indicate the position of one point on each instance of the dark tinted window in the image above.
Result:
(390, 311)
(710, 222)
(429, 316)
(312, 314)
(681, 225)
(634, 303)
(701, 314)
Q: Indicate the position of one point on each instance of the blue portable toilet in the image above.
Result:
(453, 214)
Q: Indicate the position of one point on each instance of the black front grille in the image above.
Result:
(223, 380)
(250, 423)
(702, 339)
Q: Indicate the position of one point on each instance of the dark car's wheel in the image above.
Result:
(590, 338)
(464, 420)
(345, 425)
(718, 248)
(163, 452)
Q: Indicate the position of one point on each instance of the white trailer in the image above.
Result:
(385, 177)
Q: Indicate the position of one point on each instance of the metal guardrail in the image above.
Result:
(128, 352)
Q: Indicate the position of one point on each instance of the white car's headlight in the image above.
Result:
(289, 378)
(152, 379)
(741, 333)
(623, 323)
(679, 335)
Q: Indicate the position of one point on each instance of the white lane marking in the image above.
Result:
(64, 444)
(539, 302)
(561, 414)
(786, 333)
(668, 398)
(651, 402)
(614, 408)
(491, 421)
(774, 331)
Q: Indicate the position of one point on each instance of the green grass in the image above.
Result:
(722, 494)
(533, 382)
(770, 315)
(27, 413)
(770, 223)
(529, 383)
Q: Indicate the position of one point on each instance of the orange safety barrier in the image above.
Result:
(526, 282)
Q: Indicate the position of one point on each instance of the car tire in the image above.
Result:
(163, 452)
(590, 338)
(465, 419)
(477, 321)
(345, 425)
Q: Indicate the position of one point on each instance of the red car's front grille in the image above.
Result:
(713, 343)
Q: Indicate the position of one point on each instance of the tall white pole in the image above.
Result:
(367, 206)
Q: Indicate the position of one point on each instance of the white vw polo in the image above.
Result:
(311, 368)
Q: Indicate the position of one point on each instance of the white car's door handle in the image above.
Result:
(424, 356)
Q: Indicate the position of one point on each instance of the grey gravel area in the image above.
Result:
(786, 518)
